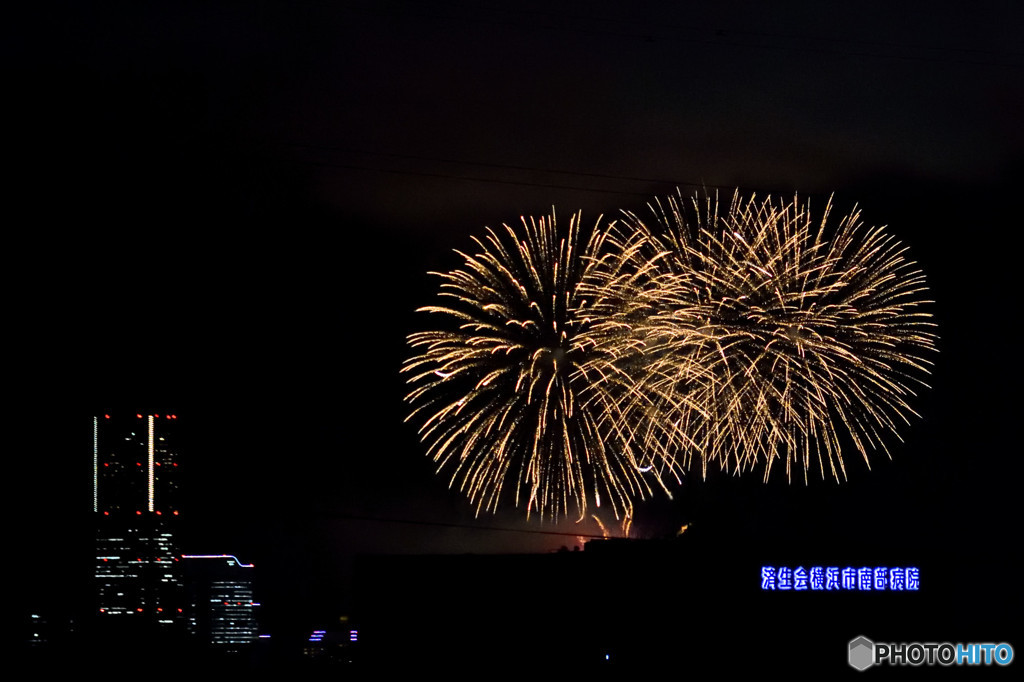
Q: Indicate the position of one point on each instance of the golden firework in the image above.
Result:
(592, 365)
(770, 335)
(514, 398)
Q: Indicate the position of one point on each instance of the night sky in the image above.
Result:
(228, 210)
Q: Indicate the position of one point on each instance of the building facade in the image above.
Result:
(138, 573)
(222, 608)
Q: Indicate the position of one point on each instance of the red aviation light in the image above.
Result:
(106, 416)
(175, 512)
(157, 416)
(106, 513)
(138, 513)
(139, 609)
(159, 609)
(139, 416)
(159, 513)
(179, 610)
(158, 463)
(174, 416)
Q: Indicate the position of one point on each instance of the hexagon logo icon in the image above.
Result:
(862, 653)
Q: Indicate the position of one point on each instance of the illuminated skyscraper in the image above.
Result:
(135, 502)
(222, 609)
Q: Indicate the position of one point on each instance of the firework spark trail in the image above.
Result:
(765, 338)
(592, 366)
(515, 399)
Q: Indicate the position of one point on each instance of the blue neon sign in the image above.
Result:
(834, 578)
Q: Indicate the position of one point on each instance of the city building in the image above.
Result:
(336, 646)
(222, 608)
(135, 503)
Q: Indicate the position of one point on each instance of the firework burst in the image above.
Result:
(588, 366)
(767, 335)
(515, 398)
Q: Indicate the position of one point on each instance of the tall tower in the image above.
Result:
(135, 502)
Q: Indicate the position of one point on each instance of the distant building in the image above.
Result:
(135, 503)
(222, 607)
(332, 647)
(46, 633)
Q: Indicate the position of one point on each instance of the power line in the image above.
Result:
(441, 524)
(722, 35)
(513, 167)
(472, 179)
(484, 164)
(726, 31)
